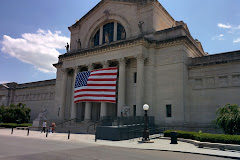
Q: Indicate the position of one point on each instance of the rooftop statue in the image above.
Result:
(140, 26)
(67, 47)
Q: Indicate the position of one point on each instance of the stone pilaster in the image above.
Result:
(121, 84)
(74, 105)
(101, 35)
(63, 93)
(115, 32)
(88, 106)
(140, 85)
(103, 111)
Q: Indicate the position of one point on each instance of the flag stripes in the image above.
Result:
(96, 86)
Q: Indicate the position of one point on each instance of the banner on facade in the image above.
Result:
(96, 86)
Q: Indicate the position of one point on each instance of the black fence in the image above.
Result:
(125, 121)
(123, 128)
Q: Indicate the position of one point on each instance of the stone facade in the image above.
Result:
(159, 64)
(35, 95)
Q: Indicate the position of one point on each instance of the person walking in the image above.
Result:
(44, 126)
(53, 127)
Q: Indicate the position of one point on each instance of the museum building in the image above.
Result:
(159, 64)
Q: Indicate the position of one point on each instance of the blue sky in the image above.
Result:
(33, 33)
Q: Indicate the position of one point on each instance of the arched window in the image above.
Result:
(108, 30)
(121, 34)
(96, 38)
(107, 34)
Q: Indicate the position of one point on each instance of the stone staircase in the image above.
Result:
(76, 127)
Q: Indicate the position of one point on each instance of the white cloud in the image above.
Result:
(38, 49)
(3, 82)
(218, 37)
(236, 40)
(227, 26)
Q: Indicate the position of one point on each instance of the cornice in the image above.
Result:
(36, 84)
(215, 59)
(125, 44)
(103, 48)
(58, 65)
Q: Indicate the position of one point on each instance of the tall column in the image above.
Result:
(103, 111)
(101, 36)
(63, 93)
(140, 85)
(121, 85)
(88, 106)
(74, 105)
(115, 32)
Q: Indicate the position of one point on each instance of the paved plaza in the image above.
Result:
(158, 145)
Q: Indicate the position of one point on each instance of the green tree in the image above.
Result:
(14, 113)
(229, 119)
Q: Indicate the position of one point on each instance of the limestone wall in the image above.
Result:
(4, 92)
(212, 86)
(37, 95)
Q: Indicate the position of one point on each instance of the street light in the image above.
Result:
(146, 131)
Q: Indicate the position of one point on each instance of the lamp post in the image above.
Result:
(146, 131)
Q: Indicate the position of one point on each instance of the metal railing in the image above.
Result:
(125, 121)
(66, 121)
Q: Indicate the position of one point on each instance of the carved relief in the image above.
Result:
(33, 97)
(105, 64)
(39, 96)
(210, 82)
(47, 95)
(51, 96)
(106, 14)
(78, 44)
(223, 81)
(236, 79)
(43, 96)
(198, 83)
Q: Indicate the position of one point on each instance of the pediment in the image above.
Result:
(102, 3)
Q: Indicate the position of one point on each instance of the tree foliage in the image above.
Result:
(14, 113)
(229, 119)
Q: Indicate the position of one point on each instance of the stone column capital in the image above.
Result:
(75, 68)
(105, 64)
(90, 66)
(64, 70)
(140, 57)
(122, 60)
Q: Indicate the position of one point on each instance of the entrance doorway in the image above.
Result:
(81, 111)
(96, 107)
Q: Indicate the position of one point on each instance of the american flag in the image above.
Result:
(96, 86)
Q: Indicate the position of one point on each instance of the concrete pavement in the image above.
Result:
(159, 143)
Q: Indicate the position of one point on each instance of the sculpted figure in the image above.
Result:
(140, 26)
(67, 47)
(106, 37)
(42, 115)
(78, 44)
(125, 111)
(123, 34)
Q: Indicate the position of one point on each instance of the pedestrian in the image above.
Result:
(44, 126)
(53, 127)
